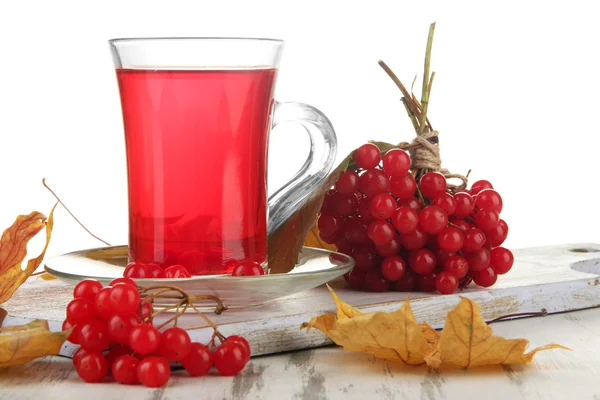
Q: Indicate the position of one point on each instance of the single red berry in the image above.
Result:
(116, 352)
(499, 234)
(146, 310)
(367, 156)
(93, 335)
(153, 372)
(136, 270)
(381, 232)
(409, 202)
(327, 207)
(451, 239)
(478, 260)
(445, 201)
(488, 198)
(175, 344)
(396, 162)
(461, 224)
(329, 225)
(127, 281)
(356, 279)
(486, 277)
(501, 260)
(78, 355)
(144, 339)
(422, 261)
(176, 272)
(441, 256)
(74, 335)
(432, 184)
(347, 183)
(364, 210)
(405, 220)
(103, 303)
(414, 240)
(446, 282)
(372, 182)
(119, 327)
(87, 289)
(248, 268)
(375, 282)
(241, 340)
(124, 370)
(344, 246)
(433, 219)
(382, 206)
(356, 231)
(124, 299)
(199, 360)
(154, 270)
(407, 283)
(487, 219)
(365, 257)
(80, 310)
(464, 204)
(92, 367)
(393, 268)
(345, 204)
(480, 185)
(457, 266)
(389, 249)
(426, 282)
(230, 358)
(474, 240)
(403, 186)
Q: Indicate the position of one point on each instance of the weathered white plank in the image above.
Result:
(554, 278)
(331, 373)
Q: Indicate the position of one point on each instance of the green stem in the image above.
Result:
(426, 80)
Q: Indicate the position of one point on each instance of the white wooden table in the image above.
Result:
(331, 373)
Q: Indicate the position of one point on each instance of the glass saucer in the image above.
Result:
(315, 267)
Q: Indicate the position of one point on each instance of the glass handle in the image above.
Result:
(323, 148)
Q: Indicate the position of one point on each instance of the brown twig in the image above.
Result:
(541, 313)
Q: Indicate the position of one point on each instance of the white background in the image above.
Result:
(515, 98)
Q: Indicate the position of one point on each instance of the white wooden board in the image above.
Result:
(557, 278)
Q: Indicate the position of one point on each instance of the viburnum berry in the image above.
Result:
(433, 219)
(457, 266)
(414, 240)
(474, 240)
(388, 249)
(329, 225)
(372, 182)
(486, 277)
(382, 206)
(175, 344)
(364, 210)
(103, 304)
(409, 202)
(153, 270)
(464, 204)
(356, 278)
(498, 235)
(124, 370)
(128, 281)
(344, 246)
(78, 355)
(345, 204)
(422, 261)
(136, 270)
(144, 339)
(87, 289)
(479, 186)
(119, 327)
(501, 260)
(367, 156)
(116, 352)
(356, 231)
(241, 340)
(199, 360)
(393, 268)
(432, 184)
(441, 256)
(230, 358)
(451, 239)
(446, 282)
(124, 299)
(92, 367)
(405, 220)
(403, 186)
(248, 268)
(74, 335)
(80, 310)
(347, 183)
(365, 257)
(461, 224)
(381, 232)
(426, 282)
(93, 335)
(153, 371)
(487, 219)
(488, 198)
(446, 201)
(407, 283)
(478, 260)
(175, 271)
(396, 162)
(375, 282)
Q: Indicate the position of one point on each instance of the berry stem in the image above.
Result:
(541, 313)
(427, 80)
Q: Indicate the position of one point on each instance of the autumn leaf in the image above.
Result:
(287, 241)
(13, 249)
(21, 344)
(314, 240)
(393, 336)
(467, 341)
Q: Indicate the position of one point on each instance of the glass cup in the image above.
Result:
(197, 113)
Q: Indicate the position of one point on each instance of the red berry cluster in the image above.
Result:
(113, 327)
(405, 236)
(150, 270)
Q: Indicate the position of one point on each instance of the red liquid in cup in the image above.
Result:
(197, 165)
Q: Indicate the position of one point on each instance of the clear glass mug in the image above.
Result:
(197, 113)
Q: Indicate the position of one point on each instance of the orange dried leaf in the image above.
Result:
(393, 336)
(314, 240)
(21, 344)
(467, 341)
(13, 249)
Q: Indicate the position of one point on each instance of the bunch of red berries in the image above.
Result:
(113, 327)
(136, 270)
(407, 236)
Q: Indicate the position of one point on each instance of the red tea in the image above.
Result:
(197, 159)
